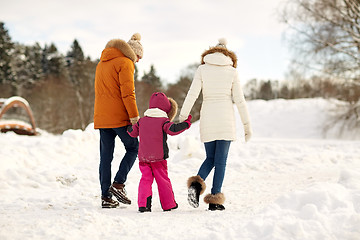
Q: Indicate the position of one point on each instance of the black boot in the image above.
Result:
(196, 187)
(167, 210)
(148, 205)
(215, 201)
(194, 194)
(144, 209)
(214, 207)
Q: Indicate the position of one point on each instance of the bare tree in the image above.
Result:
(325, 35)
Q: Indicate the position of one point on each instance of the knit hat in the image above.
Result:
(160, 100)
(135, 44)
(167, 104)
(222, 43)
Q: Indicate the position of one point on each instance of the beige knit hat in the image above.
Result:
(135, 44)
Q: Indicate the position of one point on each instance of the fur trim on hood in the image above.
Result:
(124, 47)
(173, 110)
(222, 50)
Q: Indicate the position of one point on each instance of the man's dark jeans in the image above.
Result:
(107, 145)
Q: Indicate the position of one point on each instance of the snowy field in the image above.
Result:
(291, 181)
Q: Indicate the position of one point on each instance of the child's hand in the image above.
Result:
(188, 120)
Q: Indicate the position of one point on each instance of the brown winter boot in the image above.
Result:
(215, 201)
(109, 203)
(119, 192)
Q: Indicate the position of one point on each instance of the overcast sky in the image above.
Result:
(174, 33)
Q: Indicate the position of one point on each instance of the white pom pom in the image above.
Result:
(136, 36)
(222, 41)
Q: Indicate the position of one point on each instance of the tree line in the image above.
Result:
(60, 88)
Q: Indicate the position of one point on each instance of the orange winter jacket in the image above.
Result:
(115, 101)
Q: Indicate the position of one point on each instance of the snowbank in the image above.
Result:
(287, 183)
(299, 118)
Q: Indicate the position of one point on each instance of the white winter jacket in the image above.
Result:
(220, 85)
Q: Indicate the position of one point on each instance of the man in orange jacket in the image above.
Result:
(115, 108)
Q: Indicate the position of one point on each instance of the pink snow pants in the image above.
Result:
(157, 170)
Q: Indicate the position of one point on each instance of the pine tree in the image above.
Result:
(52, 61)
(75, 63)
(6, 46)
(34, 56)
(82, 82)
(149, 84)
(26, 66)
(75, 55)
(18, 66)
(152, 79)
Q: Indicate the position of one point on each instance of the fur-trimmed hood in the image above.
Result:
(173, 110)
(222, 50)
(122, 46)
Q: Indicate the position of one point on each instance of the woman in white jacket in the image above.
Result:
(218, 80)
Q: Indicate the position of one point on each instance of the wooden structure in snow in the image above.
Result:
(15, 125)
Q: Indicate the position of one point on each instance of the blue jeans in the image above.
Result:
(107, 145)
(216, 156)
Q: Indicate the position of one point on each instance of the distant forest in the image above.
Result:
(60, 87)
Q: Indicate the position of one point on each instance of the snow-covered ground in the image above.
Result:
(291, 181)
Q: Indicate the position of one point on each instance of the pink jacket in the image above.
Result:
(153, 128)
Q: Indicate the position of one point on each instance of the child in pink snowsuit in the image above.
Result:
(152, 130)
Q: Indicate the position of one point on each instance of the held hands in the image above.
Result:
(188, 120)
(134, 120)
(248, 132)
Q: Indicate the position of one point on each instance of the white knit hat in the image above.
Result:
(222, 43)
(135, 44)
